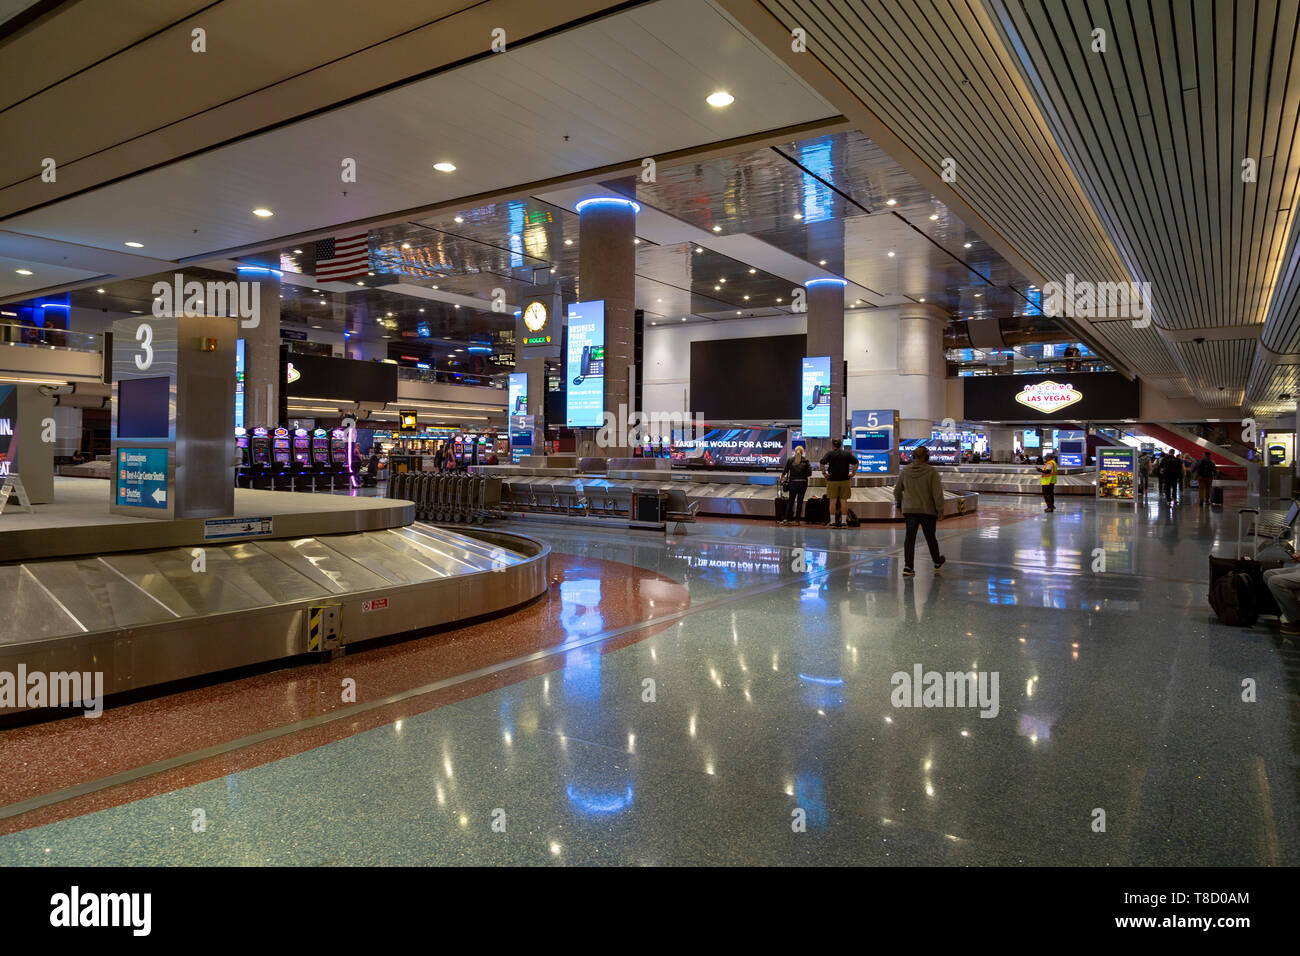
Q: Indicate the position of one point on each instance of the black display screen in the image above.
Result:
(142, 407)
(1059, 397)
(315, 376)
(748, 379)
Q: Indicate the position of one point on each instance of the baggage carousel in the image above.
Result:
(144, 615)
(737, 494)
(1015, 480)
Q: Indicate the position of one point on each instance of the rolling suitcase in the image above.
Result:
(780, 507)
(1238, 593)
(1216, 496)
(817, 511)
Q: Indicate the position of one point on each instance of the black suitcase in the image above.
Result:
(781, 507)
(1247, 575)
(817, 511)
(1216, 495)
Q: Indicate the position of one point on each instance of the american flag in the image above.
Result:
(342, 257)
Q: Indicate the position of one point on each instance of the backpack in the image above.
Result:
(852, 520)
(1233, 599)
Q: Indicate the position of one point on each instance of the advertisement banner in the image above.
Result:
(517, 403)
(732, 448)
(141, 477)
(1115, 470)
(584, 366)
(8, 428)
(1061, 396)
(815, 397)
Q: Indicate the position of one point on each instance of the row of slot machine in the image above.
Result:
(280, 460)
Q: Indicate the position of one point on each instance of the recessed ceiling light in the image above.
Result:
(891, 255)
(568, 242)
(322, 301)
(369, 273)
(737, 312)
(978, 296)
(752, 271)
(891, 202)
(137, 311)
(297, 252)
(698, 249)
(434, 287)
(263, 213)
(798, 215)
(458, 305)
(315, 326)
(716, 288)
(422, 310)
(720, 98)
(99, 290)
(746, 298)
(654, 323)
(317, 291)
(390, 315)
(717, 229)
(360, 283)
(780, 300)
(683, 318)
(968, 245)
(406, 245)
(722, 280)
(658, 300)
(23, 272)
(135, 245)
(445, 167)
(922, 298)
(636, 242)
(822, 262)
(934, 215)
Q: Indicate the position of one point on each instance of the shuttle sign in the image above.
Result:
(1048, 397)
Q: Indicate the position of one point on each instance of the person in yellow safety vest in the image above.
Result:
(1048, 471)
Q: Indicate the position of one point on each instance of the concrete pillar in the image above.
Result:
(825, 299)
(921, 369)
(607, 271)
(262, 356)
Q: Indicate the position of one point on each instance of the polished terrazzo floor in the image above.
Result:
(752, 721)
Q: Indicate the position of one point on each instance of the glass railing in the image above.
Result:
(27, 336)
(443, 377)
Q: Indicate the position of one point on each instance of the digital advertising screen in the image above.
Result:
(584, 366)
(731, 448)
(143, 407)
(8, 427)
(239, 383)
(1115, 470)
(1064, 396)
(815, 397)
(518, 394)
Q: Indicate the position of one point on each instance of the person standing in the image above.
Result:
(1172, 473)
(919, 497)
(1204, 471)
(839, 466)
(797, 471)
(1144, 474)
(1048, 471)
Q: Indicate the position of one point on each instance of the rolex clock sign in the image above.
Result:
(540, 324)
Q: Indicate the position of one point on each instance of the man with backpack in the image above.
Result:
(1204, 471)
(919, 496)
(1171, 471)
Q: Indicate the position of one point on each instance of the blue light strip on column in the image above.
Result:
(607, 201)
(823, 281)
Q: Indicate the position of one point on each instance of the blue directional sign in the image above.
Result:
(142, 477)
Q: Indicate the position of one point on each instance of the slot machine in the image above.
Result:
(281, 457)
(241, 460)
(259, 451)
(301, 458)
(322, 470)
(339, 455)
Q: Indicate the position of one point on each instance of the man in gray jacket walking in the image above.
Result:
(919, 496)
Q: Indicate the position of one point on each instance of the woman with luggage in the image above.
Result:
(796, 473)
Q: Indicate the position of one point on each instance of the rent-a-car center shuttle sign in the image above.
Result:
(1086, 396)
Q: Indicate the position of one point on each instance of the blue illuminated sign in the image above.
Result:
(584, 366)
(141, 477)
(815, 399)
